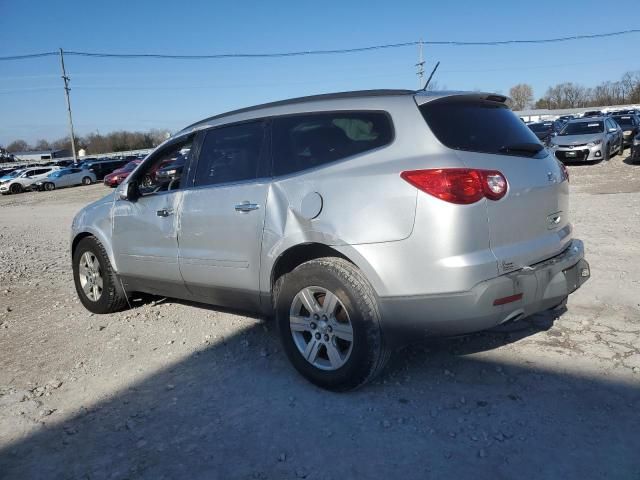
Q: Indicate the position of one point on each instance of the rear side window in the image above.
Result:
(306, 141)
(230, 154)
(477, 126)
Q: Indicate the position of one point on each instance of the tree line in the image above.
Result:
(573, 95)
(96, 143)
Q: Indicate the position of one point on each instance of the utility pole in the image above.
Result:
(66, 94)
(420, 64)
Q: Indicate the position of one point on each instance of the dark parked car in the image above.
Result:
(593, 113)
(172, 171)
(103, 167)
(545, 130)
(634, 156)
(630, 125)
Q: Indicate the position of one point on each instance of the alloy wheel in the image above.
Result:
(90, 276)
(321, 328)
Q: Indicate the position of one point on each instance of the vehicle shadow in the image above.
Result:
(633, 162)
(444, 408)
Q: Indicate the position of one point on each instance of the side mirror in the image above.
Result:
(129, 192)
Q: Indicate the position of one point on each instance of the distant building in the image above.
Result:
(41, 155)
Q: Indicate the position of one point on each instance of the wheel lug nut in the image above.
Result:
(313, 325)
(318, 336)
(316, 317)
(326, 337)
(324, 317)
(330, 329)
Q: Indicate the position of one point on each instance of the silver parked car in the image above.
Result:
(588, 140)
(24, 179)
(66, 177)
(358, 220)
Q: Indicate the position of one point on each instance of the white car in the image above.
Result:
(21, 180)
(66, 177)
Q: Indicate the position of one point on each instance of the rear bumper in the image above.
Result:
(541, 286)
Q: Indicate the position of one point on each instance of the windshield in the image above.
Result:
(130, 166)
(539, 127)
(582, 128)
(15, 173)
(625, 121)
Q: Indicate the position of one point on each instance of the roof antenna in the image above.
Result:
(424, 89)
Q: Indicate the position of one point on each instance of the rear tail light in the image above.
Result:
(462, 186)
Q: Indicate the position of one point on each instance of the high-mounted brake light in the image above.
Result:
(462, 186)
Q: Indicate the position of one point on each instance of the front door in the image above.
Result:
(145, 229)
(222, 216)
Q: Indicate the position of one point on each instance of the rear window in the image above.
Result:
(626, 121)
(539, 127)
(477, 126)
(306, 141)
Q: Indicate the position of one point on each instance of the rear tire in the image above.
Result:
(86, 181)
(15, 188)
(97, 285)
(353, 314)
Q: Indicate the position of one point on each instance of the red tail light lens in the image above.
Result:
(462, 186)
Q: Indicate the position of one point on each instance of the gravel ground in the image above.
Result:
(170, 389)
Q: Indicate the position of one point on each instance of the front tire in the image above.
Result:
(329, 324)
(49, 186)
(97, 285)
(607, 152)
(86, 181)
(15, 188)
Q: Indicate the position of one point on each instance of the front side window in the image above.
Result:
(231, 154)
(306, 141)
(165, 170)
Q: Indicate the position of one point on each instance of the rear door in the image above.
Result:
(530, 223)
(222, 216)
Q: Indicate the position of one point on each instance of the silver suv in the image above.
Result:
(358, 220)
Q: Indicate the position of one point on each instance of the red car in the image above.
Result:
(116, 177)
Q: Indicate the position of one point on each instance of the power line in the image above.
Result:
(323, 52)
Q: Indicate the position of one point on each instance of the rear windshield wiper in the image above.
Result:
(531, 148)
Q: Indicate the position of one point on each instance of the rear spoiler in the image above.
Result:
(424, 97)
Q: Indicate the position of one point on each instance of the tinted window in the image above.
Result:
(306, 141)
(230, 154)
(539, 127)
(478, 126)
(583, 128)
(626, 121)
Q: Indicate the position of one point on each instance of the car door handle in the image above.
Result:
(165, 212)
(246, 206)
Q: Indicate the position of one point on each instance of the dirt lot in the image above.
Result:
(175, 390)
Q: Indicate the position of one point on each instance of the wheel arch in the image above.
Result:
(78, 237)
(297, 254)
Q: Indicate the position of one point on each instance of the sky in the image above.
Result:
(135, 94)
